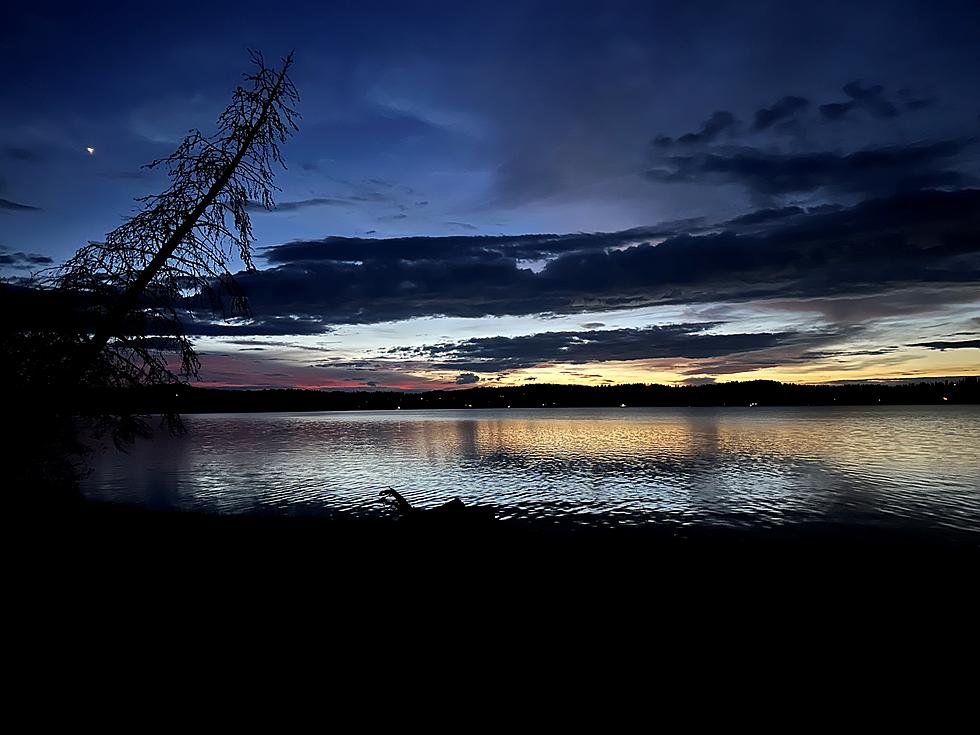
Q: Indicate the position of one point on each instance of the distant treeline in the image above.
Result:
(188, 399)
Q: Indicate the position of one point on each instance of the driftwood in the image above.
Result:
(452, 511)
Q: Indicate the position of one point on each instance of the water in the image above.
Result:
(911, 467)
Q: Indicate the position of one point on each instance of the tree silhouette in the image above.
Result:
(111, 316)
(182, 240)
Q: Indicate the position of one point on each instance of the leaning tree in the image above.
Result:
(178, 247)
(120, 302)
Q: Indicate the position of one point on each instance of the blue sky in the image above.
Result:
(661, 123)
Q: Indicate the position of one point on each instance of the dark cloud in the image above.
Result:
(277, 343)
(908, 300)
(783, 109)
(6, 204)
(950, 345)
(925, 240)
(829, 354)
(692, 341)
(700, 380)
(871, 99)
(919, 238)
(784, 115)
(466, 379)
(22, 261)
(371, 196)
(761, 216)
(302, 204)
(268, 324)
(357, 194)
(871, 171)
(714, 126)
(485, 247)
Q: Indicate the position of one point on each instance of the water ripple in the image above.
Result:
(892, 466)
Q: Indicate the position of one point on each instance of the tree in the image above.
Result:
(127, 294)
(182, 239)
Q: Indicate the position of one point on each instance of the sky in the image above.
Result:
(498, 193)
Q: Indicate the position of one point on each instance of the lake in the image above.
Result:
(908, 467)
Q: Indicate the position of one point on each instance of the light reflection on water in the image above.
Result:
(916, 466)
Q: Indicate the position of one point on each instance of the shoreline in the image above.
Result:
(187, 399)
(443, 409)
(108, 519)
(88, 551)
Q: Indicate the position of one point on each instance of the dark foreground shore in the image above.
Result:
(113, 563)
(125, 534)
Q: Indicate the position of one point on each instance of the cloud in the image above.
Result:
(302, 204)
(691, 341)
(871, 99)
(783, 109)
(926, 240)
(253, 370)
(268, 324)
(713, 127)
(784, 114)
(871, 171)
(276, 343)
(455, 247)
(699, 380)
(761, 216)
(950, 345)
(22, 261)
(467, 379)
(6, 204)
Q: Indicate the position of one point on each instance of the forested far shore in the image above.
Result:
(183, 398)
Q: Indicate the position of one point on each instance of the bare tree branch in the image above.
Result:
(181, 242)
